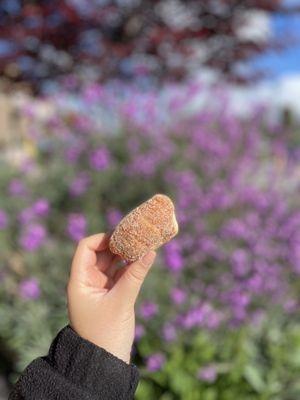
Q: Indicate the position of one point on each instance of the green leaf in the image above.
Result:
(182, 383)
(254, 377)
(145, 391)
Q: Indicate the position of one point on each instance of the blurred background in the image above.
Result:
(104, 103)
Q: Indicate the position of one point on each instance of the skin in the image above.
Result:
(101, 295)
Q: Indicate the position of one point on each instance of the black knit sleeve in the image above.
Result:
(76, 369)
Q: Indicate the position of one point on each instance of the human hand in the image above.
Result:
(101, 296)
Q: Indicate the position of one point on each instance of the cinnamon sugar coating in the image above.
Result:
(147, 227)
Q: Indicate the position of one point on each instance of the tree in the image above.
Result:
(167, 39)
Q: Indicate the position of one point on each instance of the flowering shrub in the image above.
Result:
(132, 39)
(217, 318)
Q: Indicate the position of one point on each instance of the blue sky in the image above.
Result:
(287, 61)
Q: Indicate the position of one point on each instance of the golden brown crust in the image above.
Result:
(145, 228)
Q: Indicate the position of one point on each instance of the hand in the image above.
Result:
(101, 296)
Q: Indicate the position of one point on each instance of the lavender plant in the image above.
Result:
(218, 317)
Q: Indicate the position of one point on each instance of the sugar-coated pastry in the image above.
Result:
(147, 227)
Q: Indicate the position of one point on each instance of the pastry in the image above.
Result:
(147, 227)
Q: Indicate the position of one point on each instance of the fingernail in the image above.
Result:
(149, 258)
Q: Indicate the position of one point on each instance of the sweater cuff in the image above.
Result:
(91, 367)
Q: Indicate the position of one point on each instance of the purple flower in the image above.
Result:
(208, 246)
(72, 154)
(29, 289)
(178, 295)
(26, 215)
(92, 93)
(33, 237)
(173, 257)
(213, 320)
(240, 262)
(238, 302)
(194, 317)
(28, 110)
(144, 164)
(255, 283)
(208, 374)
(148, 310)
(239, 299)
(27, 166)
(203, 315)
(236, 229)
(155, 362)
(41, 207)
(139, 332)
(290, 306)
(77, 225)
(79, 185)
(83, 123)
(3, 219)
(17, 188)
(169, 332)
(100, 159)
(113, 216)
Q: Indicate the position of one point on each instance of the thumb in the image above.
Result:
(129, 284)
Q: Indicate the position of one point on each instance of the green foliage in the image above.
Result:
(250, 364)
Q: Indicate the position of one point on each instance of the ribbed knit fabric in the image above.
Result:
(76, 369)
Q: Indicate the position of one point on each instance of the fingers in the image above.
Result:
(129, 283)
(96, 279)
(117, 264)
(96, 242)
(86, 254)
(94, 265)
(104, 260)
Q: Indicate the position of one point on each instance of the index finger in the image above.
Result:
(97, 242)
(86, 252)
